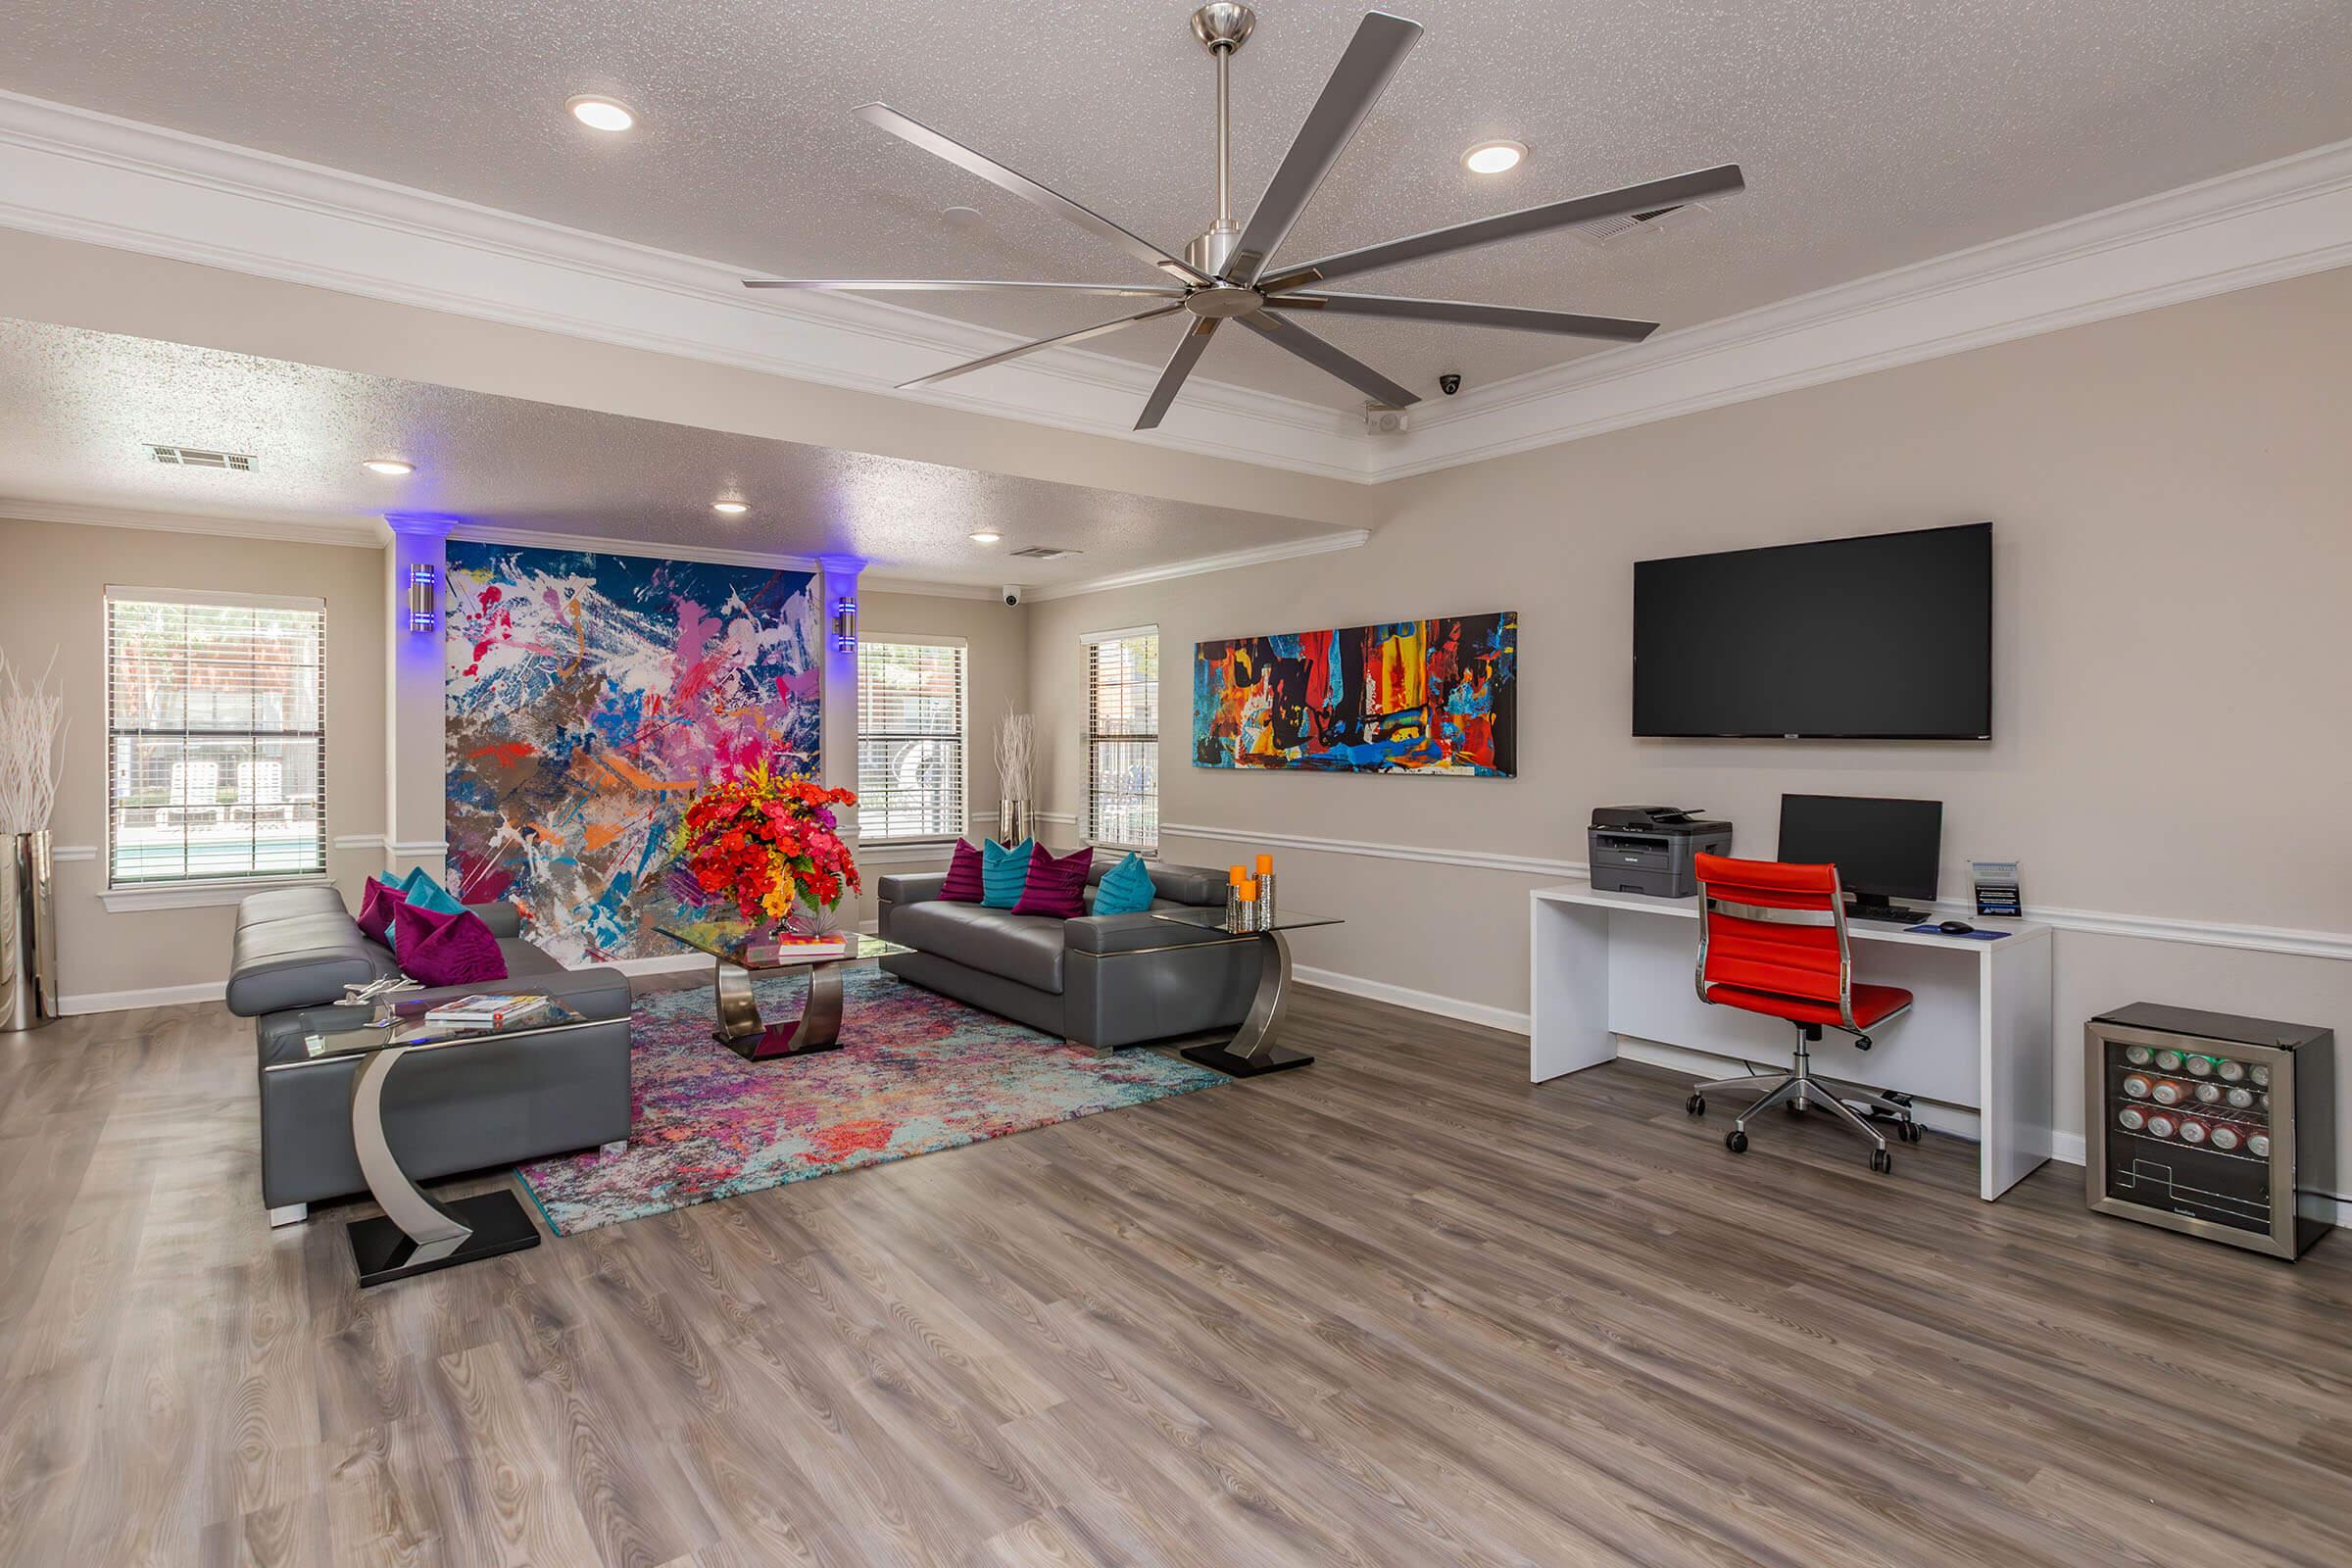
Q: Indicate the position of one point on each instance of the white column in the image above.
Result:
(416, 763)
(839, 687)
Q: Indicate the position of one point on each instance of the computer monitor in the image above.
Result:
(1883, 849)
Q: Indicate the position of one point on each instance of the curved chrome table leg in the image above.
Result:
(1252, 1050)
(742, 1030)
(419, 1233)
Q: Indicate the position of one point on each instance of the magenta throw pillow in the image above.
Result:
(963, 885)
(1056, 887)
(376, 906)
(446, 950)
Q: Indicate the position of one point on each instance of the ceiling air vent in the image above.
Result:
(199, 457)
(1608, 230)
(1044, 552)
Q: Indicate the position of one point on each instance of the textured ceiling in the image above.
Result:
(78, 408)
(1874, 133)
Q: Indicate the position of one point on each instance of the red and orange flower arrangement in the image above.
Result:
(766, 841)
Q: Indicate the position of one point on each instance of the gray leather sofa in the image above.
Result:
(444, 1110)
(1104, 981)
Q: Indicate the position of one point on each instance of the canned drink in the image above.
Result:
(2234, 1072)
(2136, 1085)
(2192, 1131)
(2224, 1137)
(2200, 1067)
(2168, 1092)
(2167, 1061)
(2160, 1125)
(2131, 1118)
(2240, 1099)
(2262, 1077)
(2209, 1093)
(2259, 1144)
(2139, 1056)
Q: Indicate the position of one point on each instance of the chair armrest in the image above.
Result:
(913, 888)
(504, 919)
(1131, 933)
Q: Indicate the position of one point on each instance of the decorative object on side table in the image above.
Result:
(31, 722)
(1016, 776)
(1252, 1050)
(419, 1233)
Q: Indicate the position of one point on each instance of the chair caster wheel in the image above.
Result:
(1696, 1105)
(1880, 1161)
(1735, 1141)
(1911, 1133)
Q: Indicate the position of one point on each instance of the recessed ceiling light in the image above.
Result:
(961, 214)
(986, 536)
(600, 113)
(733, 509)
(1494, 157)
(391, 465)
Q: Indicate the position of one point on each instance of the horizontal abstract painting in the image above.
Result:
(589, 697)
(1405, 697)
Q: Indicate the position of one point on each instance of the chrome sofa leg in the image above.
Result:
(289, 1214)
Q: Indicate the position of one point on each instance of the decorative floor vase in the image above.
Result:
(1013, 821)
(27, 933)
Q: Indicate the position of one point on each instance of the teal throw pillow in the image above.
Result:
(1125, 889)
(419, 889)
(1004, 872)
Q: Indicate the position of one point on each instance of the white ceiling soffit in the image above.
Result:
(75, 175)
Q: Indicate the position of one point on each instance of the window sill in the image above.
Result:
(198, 894)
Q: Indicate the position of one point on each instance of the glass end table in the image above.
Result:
(742, 952)
(418, 1233)
(1252, 1050)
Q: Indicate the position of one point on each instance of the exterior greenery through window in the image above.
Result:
(1122, 740)
(215, 736)
(912, 734)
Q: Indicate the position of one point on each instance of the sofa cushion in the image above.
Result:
(300, 960)
(377, 900)
(1125, 889)
(964, 884)
(1196, 886)
(1056, 884)
(1022, 948)
(446, 950)
(1004, 872)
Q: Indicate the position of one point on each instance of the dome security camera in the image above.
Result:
(1450, 382)
(1012, 593)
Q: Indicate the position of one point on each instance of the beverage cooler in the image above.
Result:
(2210, 1124)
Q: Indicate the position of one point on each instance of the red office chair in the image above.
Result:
(1772, 940)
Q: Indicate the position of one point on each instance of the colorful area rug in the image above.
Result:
(915, 1073)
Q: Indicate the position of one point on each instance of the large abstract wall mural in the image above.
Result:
(1405, 697)
(589, 697)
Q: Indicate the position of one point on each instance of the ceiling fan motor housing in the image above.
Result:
(1222, 25)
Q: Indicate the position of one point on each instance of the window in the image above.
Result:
(911, 739)
(215, 736)
(1122, 739)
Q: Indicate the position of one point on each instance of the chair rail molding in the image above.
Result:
(73, 173)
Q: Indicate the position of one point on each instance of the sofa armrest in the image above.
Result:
(1131, 933)
(504, 919)
(913, 888)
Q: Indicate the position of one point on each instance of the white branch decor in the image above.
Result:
(33, 719)
(1016, 755)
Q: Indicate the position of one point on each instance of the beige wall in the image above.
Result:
(996, 669)
(53, 579)
(2172, 500)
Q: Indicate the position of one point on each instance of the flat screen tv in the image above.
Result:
(1885, 637)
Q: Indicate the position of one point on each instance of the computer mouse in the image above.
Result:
(1955, 928)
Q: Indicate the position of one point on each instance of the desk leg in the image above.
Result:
(419, 1233)
(2017, 1056)
(742, 1030)
(1252, 1050)
(1568, 989)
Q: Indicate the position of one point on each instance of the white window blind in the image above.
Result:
(215, 736)
(1122, 741)
(911, 739)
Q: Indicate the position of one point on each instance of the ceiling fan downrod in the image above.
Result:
(1222, 27)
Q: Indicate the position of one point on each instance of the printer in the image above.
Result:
(1651, 849)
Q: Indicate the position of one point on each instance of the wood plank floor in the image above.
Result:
(1399, 1309)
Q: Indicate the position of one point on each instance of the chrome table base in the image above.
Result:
(418, 1233)
(1252, 1050)
(742, 1030)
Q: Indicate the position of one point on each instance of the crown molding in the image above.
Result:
(74, 174)
(883, 582)
(301, 529)
(1288, 550)
(592, 544)
(2264, 224)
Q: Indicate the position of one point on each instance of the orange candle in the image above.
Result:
(1238, 876)
(1249, 891)
(1265, 864)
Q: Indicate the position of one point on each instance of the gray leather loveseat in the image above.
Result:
(445, 1112)
(1104, 981)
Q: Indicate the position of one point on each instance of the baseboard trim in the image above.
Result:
(130, 1000)
(1476, 1013)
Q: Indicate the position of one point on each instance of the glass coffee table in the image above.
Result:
(418, 1233)
(1252, 1050)
(742, 952)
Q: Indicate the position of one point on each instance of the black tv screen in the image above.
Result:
(1886, 637)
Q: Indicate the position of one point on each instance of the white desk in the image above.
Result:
(1974, 1051)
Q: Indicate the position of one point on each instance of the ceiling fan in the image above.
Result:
(1226, 273)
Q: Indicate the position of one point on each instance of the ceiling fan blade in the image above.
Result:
(1379, 46)
(1180, 364)
(1323, 357)
(1721, 180)
(1014, 353)
(1029, 190)
(1465, 314)
(957, 285)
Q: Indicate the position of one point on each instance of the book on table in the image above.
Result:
(786, 946)
(489, 1009)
